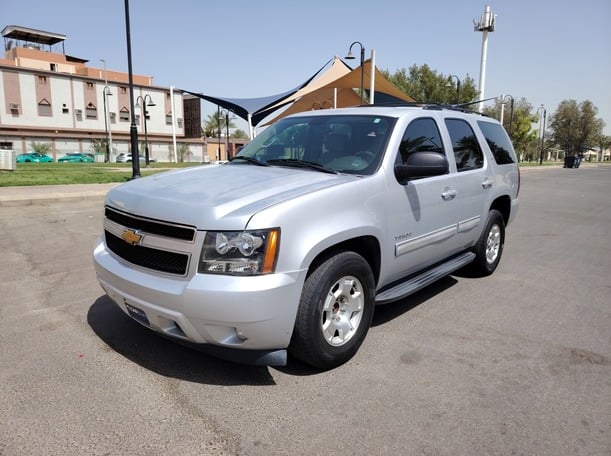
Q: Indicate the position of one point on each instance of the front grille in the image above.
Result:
(147, 257)
(184, 233)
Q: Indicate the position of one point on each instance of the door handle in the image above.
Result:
(448, 194)
(487, 183)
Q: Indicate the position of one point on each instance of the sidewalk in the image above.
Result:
(28, 195)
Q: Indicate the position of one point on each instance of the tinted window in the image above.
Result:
(498, 141)
(352, 144)
(421, 135)
(467, 151)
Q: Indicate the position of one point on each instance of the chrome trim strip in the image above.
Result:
(469, 224)
(403, 247)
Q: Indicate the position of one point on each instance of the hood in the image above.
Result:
(217, 197)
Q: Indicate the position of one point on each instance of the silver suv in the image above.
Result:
(323, 216)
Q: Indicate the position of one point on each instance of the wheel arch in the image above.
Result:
(503, 205)
(366, 246)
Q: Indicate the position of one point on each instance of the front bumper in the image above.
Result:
(254, 314)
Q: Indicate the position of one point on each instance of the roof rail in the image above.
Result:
(431, 106)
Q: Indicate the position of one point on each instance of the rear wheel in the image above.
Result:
(489, 247)
(335, 311)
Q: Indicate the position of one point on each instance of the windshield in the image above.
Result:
(352, 144)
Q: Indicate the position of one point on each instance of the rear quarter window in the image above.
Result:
(498, 141)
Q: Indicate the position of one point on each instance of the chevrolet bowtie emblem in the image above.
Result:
(132, 237)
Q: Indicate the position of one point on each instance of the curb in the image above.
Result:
(27, 196)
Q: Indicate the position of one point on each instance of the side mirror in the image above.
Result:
(421, 164)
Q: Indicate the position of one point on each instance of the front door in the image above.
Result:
(422, 215)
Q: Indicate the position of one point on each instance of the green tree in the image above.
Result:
(239, 134)
(212, 122)
(42, 148)
(603, 142)
(428, 86)
(575, 127)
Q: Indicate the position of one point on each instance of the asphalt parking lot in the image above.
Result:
(516, 363)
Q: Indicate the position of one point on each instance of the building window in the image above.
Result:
(113, 117)
(53, 67)
(179, 122)
(168, 119)
(89, 85)
(14, 108)
(79, 114)
(65, 109)
(91, 111)
(6, 145)
(124, 115)
(42, 79)
(44, 108)
(123, 90)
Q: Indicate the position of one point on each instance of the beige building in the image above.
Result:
(49, 97)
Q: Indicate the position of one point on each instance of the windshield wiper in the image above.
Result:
(251, 160)
(301, 164)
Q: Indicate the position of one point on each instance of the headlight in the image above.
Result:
(239, 252)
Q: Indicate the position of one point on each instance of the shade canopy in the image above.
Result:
(331, 88)
(254, 110)
(340, 93)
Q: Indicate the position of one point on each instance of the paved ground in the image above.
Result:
(516, 363)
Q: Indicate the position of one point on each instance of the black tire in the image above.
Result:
(335, 311)
(489, 247)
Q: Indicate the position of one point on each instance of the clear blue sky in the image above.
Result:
(543, 50)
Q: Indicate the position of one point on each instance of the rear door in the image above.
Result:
(474, 181)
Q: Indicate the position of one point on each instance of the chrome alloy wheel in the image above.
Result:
(342, 311)
(493, 244)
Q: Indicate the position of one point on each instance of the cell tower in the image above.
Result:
(484, 25)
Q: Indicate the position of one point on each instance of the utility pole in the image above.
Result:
(484, 25)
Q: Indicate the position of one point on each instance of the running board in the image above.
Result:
(417, 282)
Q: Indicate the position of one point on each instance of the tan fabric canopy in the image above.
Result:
(336, 89)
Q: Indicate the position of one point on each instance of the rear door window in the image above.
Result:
(467, 151)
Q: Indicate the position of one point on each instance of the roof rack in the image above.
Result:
(431, 106)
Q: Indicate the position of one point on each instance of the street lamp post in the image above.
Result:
(350, 57)
(225, 113)
(133, 132)
(218, 124)
(449, 84)
(106, 93)
(510, 112)
(144, 113)
(542, 122)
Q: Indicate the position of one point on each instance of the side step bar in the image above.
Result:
(419, 281)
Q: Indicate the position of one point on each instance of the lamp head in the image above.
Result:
(350, 56)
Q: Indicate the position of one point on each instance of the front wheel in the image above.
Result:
(335, 311)
(489, 247)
